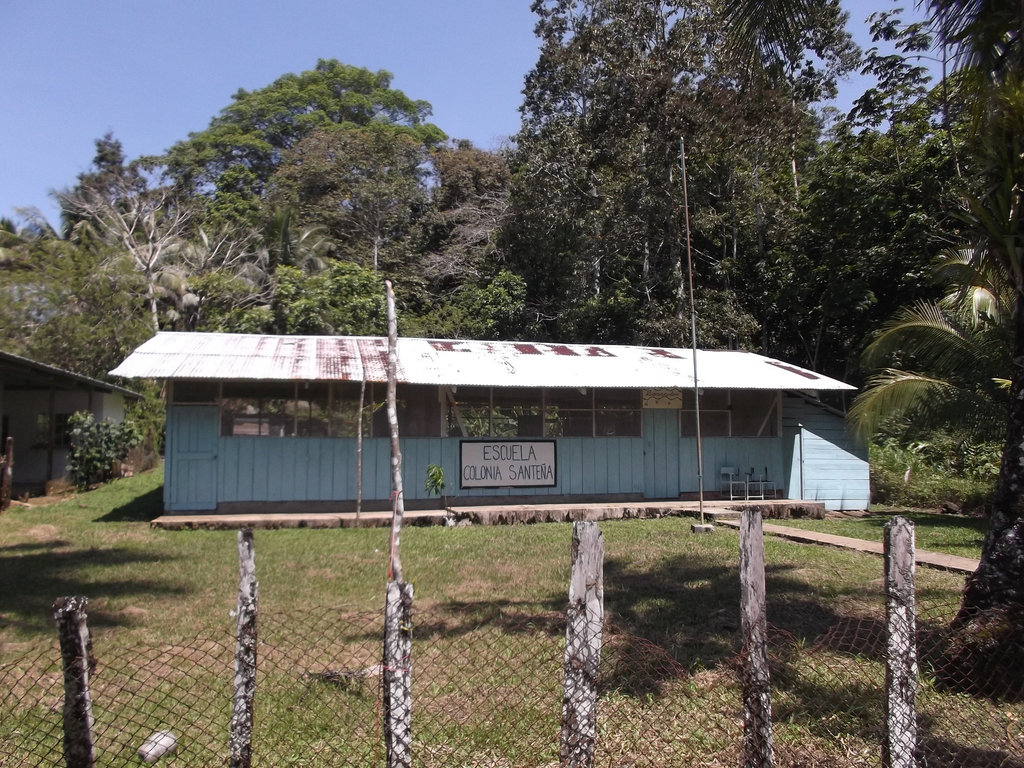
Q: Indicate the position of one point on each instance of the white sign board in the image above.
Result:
(507, 463)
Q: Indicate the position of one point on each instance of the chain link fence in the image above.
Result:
(487, 691)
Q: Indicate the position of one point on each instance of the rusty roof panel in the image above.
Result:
(373, 353)
(459, 363)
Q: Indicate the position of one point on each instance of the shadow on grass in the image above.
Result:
(934, 750)
(692, 609)
(30, 546)
(457, 618)
(142, 508)
(29, 583)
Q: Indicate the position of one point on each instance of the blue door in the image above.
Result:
(190, 481)
(661, 453)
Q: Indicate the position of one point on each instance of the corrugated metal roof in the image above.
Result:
(18, 372)
(458, 363)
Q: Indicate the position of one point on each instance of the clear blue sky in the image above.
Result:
(153, 71)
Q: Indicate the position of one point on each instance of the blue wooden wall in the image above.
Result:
(826, 462)
(204, 469)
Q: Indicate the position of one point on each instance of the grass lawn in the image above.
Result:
(488, 621)
(149, 583)
(949, 534)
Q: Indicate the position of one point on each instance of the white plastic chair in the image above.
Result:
(732, 484)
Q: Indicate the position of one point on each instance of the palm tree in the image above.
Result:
(985, 35)
(959, 349)
(305, 248)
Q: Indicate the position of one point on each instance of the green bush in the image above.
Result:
(941, 471)
(96, 447)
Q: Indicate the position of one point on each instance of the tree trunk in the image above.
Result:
(359, 446)
(397, 673)
(154, 312)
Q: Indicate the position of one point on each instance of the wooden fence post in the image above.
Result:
(758, 750)
(78, 664)
(397, 675)
(245, 654)
(582, 660)
(901, 646)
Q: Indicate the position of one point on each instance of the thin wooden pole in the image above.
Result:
(397, 490)
(693, 331)
(900, 741)
(245, 654)
(397, 662)
(76, 655)
(758, 749)
(583, 637)
(359, 446)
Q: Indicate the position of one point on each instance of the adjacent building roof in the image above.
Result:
(459, 363)
(18, 372)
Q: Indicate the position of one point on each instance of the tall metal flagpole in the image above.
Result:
(693, 329)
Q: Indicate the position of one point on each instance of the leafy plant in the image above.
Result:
(97, 446)
(435, 481)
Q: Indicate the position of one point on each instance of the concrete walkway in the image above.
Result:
(921, 557)
(493, 514)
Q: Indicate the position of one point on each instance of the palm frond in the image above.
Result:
(928, 334)
(893, 393)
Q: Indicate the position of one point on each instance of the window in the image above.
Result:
(259, 409)
(618, 413)
(419, 411)
(533, 412)
(313, 410)
(344, 412)
(324, 409)
(516, 413)
(60, 432)
(331, 409)
(731, 413)
(469, 411)
(569, 412)
(754, 413)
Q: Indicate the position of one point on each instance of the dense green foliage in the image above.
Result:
(95, 447)
(946, 472)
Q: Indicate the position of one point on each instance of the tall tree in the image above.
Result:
(71, 302)
(596, 187)
(217, 273)
(231, 162)
(365, 185)
(469, 208)
(144, 221)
